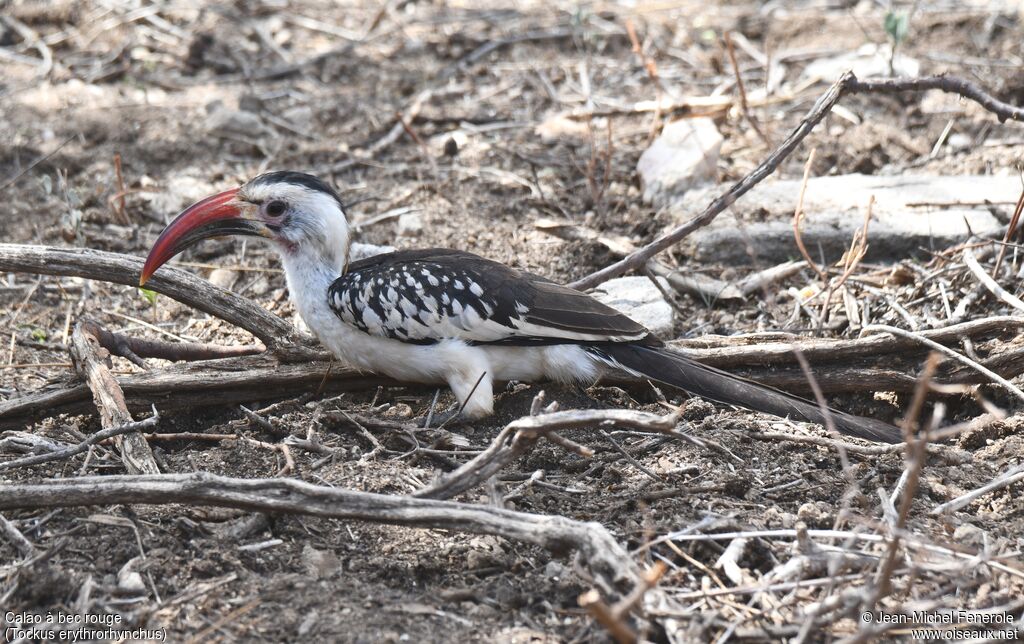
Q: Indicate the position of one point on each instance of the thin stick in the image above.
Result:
(519, 437)
(742, 90)
(23, 545)
(1009, 478)
(1011, 228)
(986, 280)
(798, 217)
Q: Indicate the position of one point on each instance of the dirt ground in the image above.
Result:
(194, 97)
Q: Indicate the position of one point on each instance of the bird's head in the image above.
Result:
(297, 212)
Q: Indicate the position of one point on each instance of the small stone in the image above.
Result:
(410, 225)
(959, 141)
(697, 409)
(359, 250)
(683, 157)
(638, 298)
(129, 583)
(320, 564)
(399, 410)
(554, 570)
(870, 60)
(815, 513)
(224, 278)
(562, 127)
(236, 124)
(968, 534)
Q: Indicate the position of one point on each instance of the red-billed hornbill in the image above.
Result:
(440, 315)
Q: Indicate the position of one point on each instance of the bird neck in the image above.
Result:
(309, 274)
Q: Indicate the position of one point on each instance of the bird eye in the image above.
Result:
(276, 208)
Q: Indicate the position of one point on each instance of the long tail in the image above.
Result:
(676, 370)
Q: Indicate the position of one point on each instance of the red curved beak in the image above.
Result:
(214, 216)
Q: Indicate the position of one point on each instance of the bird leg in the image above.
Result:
(474, 393)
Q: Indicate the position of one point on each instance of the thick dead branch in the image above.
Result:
(91, 363)
(598, 549)
(875, 363)
(848, 83)
(725, 353)
(519, 437)
(279, 336)
(194, 385)
(985, 371)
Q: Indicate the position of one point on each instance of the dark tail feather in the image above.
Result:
(676, 370)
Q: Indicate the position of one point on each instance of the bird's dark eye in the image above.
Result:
(276, 208)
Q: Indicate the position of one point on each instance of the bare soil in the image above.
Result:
(195, 97)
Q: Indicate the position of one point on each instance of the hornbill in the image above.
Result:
(440, 315)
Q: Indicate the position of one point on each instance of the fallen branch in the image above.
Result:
(863, 365)
(949, 352)
(280, 337)
(733, 351)
(847, 84)
(194, 385)
(597, 548)
(91, 364)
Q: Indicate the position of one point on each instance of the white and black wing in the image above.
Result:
(425, 296)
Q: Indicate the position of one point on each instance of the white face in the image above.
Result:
(302, 220)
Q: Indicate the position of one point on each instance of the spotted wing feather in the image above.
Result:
(425, 296)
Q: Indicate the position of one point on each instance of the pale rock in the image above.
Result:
(959, 141)
(236, 124)
(410, 225)
(224, 278)
(683, 157)
(638, 298)
(815, 513)
(359, 250)
(455, 141)
(869, 61)
(562, 127)
(178, 192)
(835, 207)
(320, 564)
(129, 582)
(968, 534)
(300, 117)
